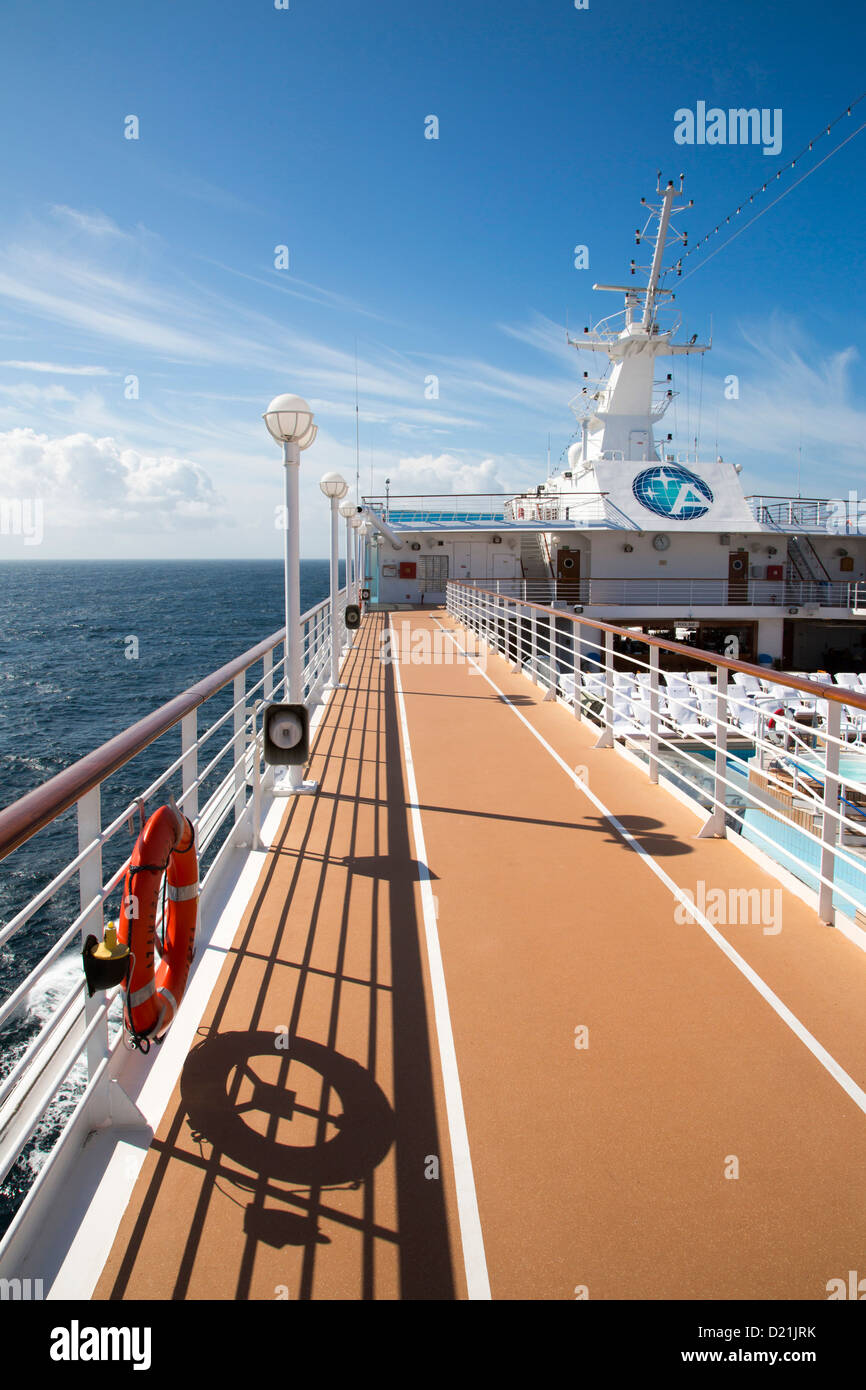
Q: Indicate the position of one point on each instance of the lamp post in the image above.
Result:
(362, 534)
(374, 543)
(356, 523)
(334, 488)
(348, 510)
(289, 421)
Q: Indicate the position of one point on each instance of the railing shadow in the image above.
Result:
(286, 1120)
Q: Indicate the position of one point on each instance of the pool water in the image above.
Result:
(783, 841)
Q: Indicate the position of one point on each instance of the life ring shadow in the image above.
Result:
(366, 1127)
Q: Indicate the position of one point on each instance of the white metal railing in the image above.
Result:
(687, 593)
(844, 516)
(556, 506)
(586, 508)
(776, 759)
(229, 751)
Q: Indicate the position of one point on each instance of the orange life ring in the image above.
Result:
(166, 845)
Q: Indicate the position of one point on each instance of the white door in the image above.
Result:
(460, 569)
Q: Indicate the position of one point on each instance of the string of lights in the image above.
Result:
(788, 164)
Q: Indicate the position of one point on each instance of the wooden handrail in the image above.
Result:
(37, 808)
(836, 693)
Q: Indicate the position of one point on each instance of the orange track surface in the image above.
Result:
(600, 1167)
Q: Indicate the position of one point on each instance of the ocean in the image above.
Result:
(66, 686)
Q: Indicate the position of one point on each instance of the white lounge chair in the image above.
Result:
(684, 716)
(850, 724)
(677, 687)
(622, 722)
(748, 718)
(750, 684)
(623, 683)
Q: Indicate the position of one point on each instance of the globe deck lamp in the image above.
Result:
(290, 421)
(334, 485)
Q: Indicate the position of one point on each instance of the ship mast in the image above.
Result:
(658, 254)
(617, 413)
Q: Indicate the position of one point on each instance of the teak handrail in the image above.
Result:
(37, 808)
(839, 694)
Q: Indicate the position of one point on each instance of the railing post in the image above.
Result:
(267, 695)
(577, 665)
(257, 781)
(605, 739)
(516, 664)
(830, 825)
(715, 822)
(533, 644)
(654, 715)
(239, 745)
(89, 815)
(550, 693)
(189, 766)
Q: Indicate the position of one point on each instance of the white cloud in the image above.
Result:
(55, 370)
(445, 473)
(544, 334)
(791, 395)
(93, 224)
(30, 394)
(87, 482)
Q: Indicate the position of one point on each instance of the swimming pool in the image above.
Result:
(783, 841)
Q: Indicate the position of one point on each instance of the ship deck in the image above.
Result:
(461, 1045)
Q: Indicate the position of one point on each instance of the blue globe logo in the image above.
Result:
(674, 492)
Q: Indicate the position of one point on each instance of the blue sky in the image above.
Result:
(259, 127)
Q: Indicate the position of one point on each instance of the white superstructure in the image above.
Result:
(633, 530)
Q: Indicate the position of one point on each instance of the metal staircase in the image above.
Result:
(534, 559)
(804, 562)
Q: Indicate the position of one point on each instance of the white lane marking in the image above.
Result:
(474, 1259)
(819, 1052)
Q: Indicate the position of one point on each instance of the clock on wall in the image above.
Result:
(661, 541)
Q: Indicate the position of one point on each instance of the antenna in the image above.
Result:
(548, 456)
(358, 437)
